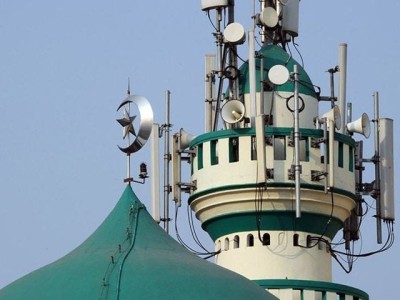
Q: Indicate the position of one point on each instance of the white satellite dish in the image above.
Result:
(269, 17)
(278, 75)
(234, 34)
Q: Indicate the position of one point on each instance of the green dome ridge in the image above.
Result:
(130, 257)
(275, 55)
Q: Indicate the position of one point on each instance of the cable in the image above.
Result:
(212, 23)
(301, 57)
(182, 242)
(132, 236)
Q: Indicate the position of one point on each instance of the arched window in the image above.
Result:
(250, 240)
(266, 239)
(236, 241)
(295, 239)
(226, 244)
(309, 241)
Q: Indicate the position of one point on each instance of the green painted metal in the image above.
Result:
(321, 286)
(272, 221)
(275, 55)
(130, 257)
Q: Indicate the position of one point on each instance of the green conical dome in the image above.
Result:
(130, 257)
(275, 55)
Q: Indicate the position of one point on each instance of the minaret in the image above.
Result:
(276, 180)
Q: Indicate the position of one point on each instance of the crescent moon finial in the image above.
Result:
(127, 122)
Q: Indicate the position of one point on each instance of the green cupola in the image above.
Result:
(130, 257)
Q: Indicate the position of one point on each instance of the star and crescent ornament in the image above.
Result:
(145, 124)
(127, 123)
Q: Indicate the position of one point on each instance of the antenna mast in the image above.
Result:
(167, 159)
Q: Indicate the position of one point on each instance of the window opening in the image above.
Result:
(214, 152)
(200, 157)
(236, 242)
(250, 240)
(280, 148)
(266, 239)
(340, 155)
(226, 244)
(233, 149)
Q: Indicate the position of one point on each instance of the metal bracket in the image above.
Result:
(291, 172)
(315, 142)
(188, 187)
(318, 175)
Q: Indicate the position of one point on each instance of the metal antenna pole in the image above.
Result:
(167, 158)
(297, 167)
(342, 84)
(377, 170)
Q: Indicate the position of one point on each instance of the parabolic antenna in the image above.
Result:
(234, 33)
(278, 75)
(145, 125)
(269, 17)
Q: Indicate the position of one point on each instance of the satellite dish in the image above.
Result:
(233, 111)
(269, 17)
(278, 75)
(234, 34)
(361, 125)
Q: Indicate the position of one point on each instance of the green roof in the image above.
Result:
(130, 257)
(275, 55)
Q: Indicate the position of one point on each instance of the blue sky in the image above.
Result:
(63, 72)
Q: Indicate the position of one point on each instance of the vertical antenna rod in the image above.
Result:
(342, 84)
(252, 77)
(155, 173)
(167, 158)
(377, 170)
(297, 167)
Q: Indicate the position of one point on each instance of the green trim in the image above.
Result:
(322, 286)
(269, 184)
(275, 55)
(272, 221)
(269, 131)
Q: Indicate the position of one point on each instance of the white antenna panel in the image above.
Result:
(386, 168)
(234, 34)
(290, 17)
(211, 4)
